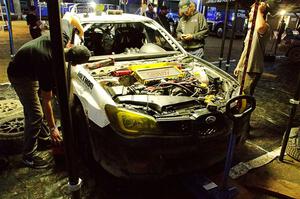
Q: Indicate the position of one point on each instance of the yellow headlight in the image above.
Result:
(130, 122)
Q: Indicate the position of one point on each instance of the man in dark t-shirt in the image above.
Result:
(31, 71)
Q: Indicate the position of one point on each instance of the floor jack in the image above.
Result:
(203, 188)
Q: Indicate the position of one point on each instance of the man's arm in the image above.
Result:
(48, 111)
(74, 21)
(203, 29)
(179, 30)
(261, 25)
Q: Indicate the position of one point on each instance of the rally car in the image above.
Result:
(143, 106)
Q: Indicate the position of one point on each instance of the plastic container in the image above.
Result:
(200, 74)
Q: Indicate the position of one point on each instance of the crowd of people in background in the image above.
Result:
(191, 29)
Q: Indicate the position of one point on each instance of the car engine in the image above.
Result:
(163, 87)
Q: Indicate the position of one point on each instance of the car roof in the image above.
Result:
(109, 18)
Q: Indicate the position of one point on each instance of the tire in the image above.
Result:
(11, 135)
(81, 134)
(294, 54)
(293, 151)
(293, 146)
(10, 107)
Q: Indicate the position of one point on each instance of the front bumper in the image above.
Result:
(156, 156)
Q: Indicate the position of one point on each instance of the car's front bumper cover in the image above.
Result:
(156, 156)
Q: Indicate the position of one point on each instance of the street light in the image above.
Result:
(282, 12)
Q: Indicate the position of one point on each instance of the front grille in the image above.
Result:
(198, 127)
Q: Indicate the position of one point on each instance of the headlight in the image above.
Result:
(130, 122)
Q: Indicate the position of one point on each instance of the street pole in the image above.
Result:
(224, 35)
(9, 27)
(232, 35)
(280, 32)
(40, 10)
(63, 96)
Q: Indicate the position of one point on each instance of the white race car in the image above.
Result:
(144, 107)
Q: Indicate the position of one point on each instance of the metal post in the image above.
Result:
(2, 15)
(36, 4)
(11, 39)
(61, 83)
(40, 10)
(279, 35)
(232, 36)
(224, 35)
(294, 103)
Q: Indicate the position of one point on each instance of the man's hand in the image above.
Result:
(262, 7)
(55, 136)
(186, 37)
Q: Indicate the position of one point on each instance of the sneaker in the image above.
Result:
(35, 162)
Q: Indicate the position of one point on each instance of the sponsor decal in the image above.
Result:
(85, 80)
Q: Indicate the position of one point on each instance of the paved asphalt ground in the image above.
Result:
(269, 121)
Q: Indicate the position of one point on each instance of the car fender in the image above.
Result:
(91, 95)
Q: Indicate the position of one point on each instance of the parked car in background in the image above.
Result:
(290, 44)
(216, 17)
(143, 106)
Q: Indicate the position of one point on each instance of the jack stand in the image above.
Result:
(200, 186)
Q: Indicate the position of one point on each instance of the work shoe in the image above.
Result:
(35, 162)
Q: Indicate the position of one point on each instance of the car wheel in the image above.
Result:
(293, 151)
(293, 146)
(11, 135)
(81, 133)
(219, 31)
(294, 54)
(10, 108)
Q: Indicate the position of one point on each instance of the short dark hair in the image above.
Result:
(78, 54)
(151, 4)
(164, 8)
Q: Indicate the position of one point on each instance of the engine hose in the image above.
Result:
(178, 85)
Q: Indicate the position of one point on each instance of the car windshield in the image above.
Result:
(126, 38)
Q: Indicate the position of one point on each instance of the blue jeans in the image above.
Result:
(27, 91)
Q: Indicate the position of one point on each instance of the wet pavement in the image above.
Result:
(269, 122)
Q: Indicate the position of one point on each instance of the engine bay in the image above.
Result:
(172, 86)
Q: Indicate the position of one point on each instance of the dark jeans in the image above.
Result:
(27, 91)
